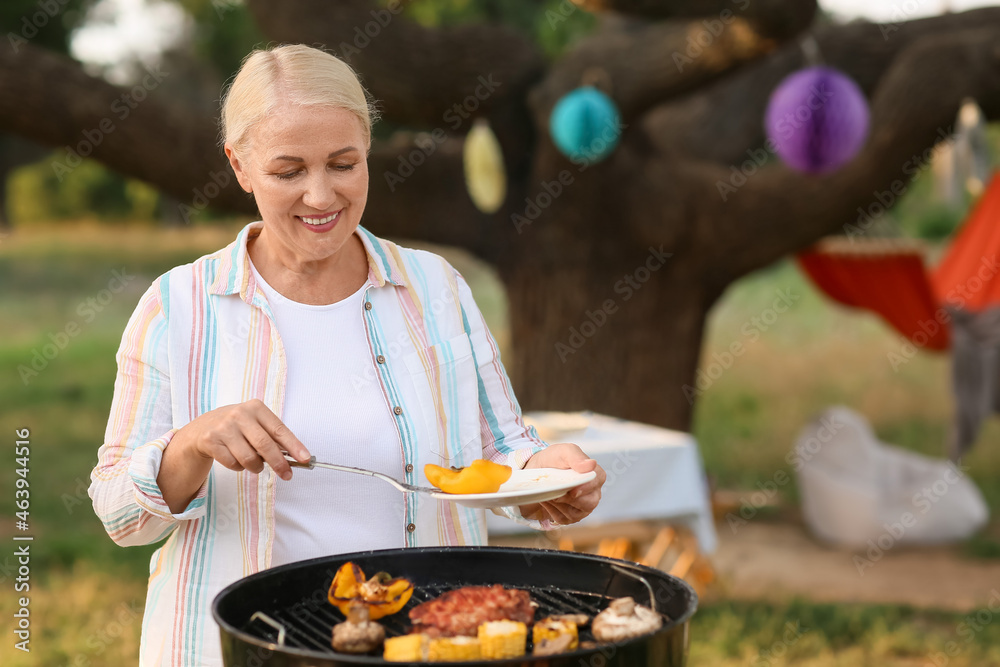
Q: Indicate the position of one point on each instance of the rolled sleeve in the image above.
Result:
(123, 485)
(144, 468)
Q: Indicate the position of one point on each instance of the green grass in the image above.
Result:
(813, 356)
(803, 633)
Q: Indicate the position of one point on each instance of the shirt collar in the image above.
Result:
(234, 274)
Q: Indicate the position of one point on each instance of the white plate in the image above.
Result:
(534, 485)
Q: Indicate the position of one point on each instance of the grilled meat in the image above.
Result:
(460, 612)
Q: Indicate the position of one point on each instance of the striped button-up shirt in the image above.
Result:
(203, 336)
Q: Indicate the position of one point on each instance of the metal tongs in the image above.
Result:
(402, 486)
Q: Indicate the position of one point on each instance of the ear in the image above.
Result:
(237, 165)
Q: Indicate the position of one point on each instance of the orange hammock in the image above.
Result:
(889, 277)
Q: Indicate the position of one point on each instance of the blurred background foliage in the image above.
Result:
(218, 35)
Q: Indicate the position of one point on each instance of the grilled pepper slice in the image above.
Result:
(382, 594)
(481, 477)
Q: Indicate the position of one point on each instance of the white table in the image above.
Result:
(653, 473)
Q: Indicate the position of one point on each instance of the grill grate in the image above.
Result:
(311, 629)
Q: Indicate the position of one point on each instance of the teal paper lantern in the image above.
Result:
(585, 125)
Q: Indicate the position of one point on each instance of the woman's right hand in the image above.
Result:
(243, 436)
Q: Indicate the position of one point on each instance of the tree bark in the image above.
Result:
(57, 104)
(417, 74)
(619, 336)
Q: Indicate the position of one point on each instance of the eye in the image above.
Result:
(344, 167)
(288, 175)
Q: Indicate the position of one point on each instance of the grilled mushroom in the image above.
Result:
(358, 634)
(624, 619)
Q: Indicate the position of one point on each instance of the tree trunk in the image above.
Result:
(594, 337)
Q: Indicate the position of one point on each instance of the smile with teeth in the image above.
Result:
(319, 221)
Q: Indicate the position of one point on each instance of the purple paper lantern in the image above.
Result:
(817, 119)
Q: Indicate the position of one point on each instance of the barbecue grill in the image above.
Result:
(281, 617)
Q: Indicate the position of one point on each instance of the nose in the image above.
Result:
(320, 192)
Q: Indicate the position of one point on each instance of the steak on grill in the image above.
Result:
(463, 610)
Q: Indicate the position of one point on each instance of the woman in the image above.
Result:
(306, 336)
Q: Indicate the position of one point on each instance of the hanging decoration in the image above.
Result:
(817, 120)
(585, 125)
(485, 175)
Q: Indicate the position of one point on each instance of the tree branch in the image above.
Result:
(57, 104)
(914, 107)
(777, 19)
(642, 64)
(722, 122)
(422, 77)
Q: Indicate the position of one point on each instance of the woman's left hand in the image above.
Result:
(577, 503)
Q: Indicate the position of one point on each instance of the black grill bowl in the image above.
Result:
(294, 596)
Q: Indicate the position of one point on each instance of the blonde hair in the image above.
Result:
(293, 73)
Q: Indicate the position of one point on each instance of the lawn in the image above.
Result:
(66, 293)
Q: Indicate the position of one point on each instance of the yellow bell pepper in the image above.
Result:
(381, 594)
(481, 477)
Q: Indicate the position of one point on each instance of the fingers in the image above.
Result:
(532, 512)
(244, 454)
(595, 484)
(280, 433)
(247, 435)
(269, 450)
(556, 514)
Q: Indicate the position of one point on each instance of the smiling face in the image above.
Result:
(307, 169)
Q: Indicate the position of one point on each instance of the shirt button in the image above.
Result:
(398, 410)
(409, 467)
(410, 528)
(380, 359)
(368, 305)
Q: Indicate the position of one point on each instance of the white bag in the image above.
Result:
(857, 491)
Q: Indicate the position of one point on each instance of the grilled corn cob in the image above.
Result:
(406, 648)
(554, 636)
(502, 639)
(453, 649)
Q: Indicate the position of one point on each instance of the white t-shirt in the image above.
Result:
(341, 416)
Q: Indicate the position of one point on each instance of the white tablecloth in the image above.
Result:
(653, 473)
